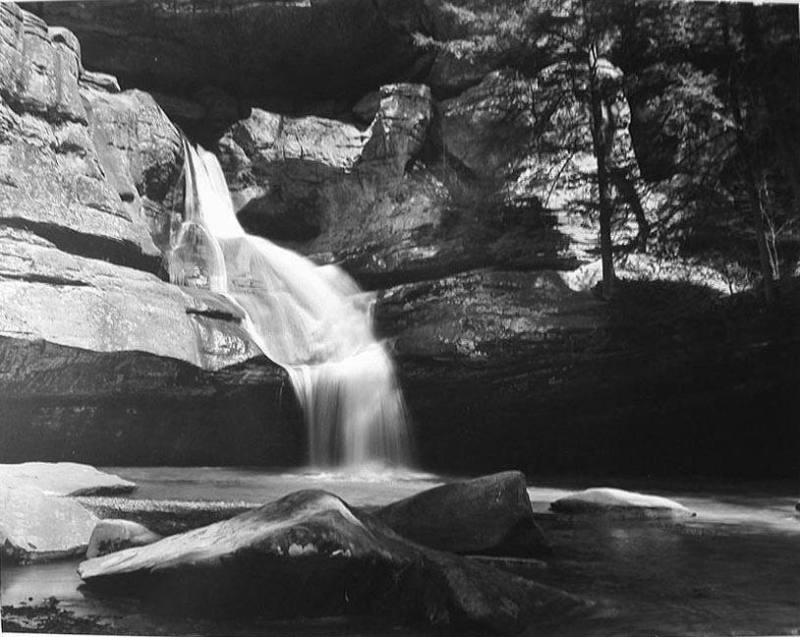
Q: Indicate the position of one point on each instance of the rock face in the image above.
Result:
(110, 536)
(360, 198)
(90, 181)
(454, 186)
(259, 562)
(52, 179)
(314, 49)
(489, 515)
(516, 369)
(36, 526)
(140, 151)
(63, 478)
(619, 503)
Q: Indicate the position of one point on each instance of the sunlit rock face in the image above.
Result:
(140, 151)
(52, 178)
(87, 327)
(110, 536)
(64, 479)
(36, 526)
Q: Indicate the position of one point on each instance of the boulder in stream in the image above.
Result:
(36, 526)
(63, 478)
(619, 503)
(488, 515)
(310, 554)
(115, 535)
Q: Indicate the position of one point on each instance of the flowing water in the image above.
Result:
(732, 570)
(314, 321)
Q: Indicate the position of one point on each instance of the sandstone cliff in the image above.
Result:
(449, 184)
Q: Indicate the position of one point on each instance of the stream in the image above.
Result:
(734, 569)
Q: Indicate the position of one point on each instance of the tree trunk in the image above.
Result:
(746, 152)
(627, 189)
(602, 146)
(757, 212)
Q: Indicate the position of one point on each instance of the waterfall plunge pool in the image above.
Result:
(732, 570)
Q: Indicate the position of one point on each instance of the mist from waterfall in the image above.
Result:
(312, 320)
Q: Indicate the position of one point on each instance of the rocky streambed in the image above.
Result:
(696, 559)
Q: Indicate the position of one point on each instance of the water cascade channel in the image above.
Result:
(312, 320)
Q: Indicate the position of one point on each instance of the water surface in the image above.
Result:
(734, 569)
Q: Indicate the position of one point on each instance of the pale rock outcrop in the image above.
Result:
(35, 526)
(110, 536)
(619, 503)
(63, 478)
(90, 181)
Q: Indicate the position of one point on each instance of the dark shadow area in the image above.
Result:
(669, 383)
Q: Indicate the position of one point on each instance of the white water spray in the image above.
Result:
(314, 321)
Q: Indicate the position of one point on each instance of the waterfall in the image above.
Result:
(313, 321)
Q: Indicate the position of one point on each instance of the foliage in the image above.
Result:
(714, 100)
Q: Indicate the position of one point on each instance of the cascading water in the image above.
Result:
(314, 321)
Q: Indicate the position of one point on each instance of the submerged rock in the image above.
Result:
(110, 536)
(35, 526)
(261, 562)
(491, 514)
(616, 502)
(63, 478)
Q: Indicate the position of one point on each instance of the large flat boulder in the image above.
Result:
(110, 536)
(265, 561)
(491, 514)
(619, 503)
(52, 295)
(36, 526)
(63, 478)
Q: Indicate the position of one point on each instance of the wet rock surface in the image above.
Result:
(618, 503)
(37, 526)
(63, 478)
(110, 536)
(490, 515)
(259, 562)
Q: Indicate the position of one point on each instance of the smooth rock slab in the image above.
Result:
(110, 536)
(63, 478)
(616, 502)
(35, 526)
(310, 554)
(491, 514)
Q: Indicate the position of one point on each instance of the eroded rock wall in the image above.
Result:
(393, 138)
(102, 360)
